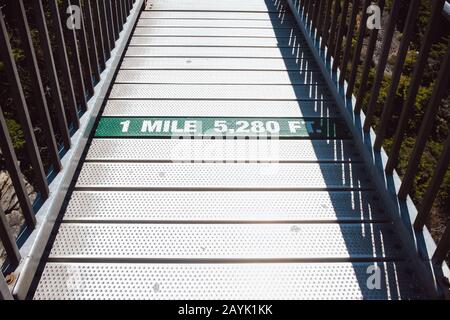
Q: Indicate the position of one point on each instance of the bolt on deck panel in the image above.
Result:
(226, 281)
(231, 242)
(148, 40)
(175, 63)
(224, 206)
(213, 176)
(216, 108)
(218, 32)
(224, 52)
(216, 23)
(218, 77)
(214, 15)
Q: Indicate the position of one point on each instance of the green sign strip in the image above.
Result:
(314, 128)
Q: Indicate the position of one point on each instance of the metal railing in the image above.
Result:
(75, 46)
(327, 22)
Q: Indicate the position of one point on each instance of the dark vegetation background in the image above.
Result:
(428, 162)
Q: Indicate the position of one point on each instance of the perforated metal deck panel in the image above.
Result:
(233, 176)
(175, 63)
(224, 206)
(216, 23)
(213, 40)
(220, 92)
(219, 77)
(231, 242)
(223, 219)
(220, 150)
(215, 15)
(226, 281)
(224, 52)
(226, 108)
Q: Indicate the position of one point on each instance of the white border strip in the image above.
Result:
(34, 246)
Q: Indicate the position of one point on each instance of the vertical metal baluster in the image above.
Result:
(101, 50)
(5, 294)
(105, 30)
(358, 48)
(389, 32)
(124, 13)
(8, 241)
(443, 247)
(36, 83)
(340, 35)
(25, 122)
(367, 64)
(117, 28)
(84, 53)
(334, 22)
(348, 42)
(433, 188)
(51, 70)
(73, 45)
(326, 25)
(12, 165)
(413, 88)
(109, 15)
(93, 54)
(315, 13)
(64, 63)
(439, 90)
(119, 14)
(320, 18)
(396, 74)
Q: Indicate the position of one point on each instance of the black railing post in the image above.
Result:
(8, 241)
(93, 54)
(22, 110)
(105, 29)
(367, 65)
(340, 35)
(396, 74)
(358, 48)
(63, 62)
(73, 45)
(443, 246)
(12, 165)
(5, 294)
(348, 42)
(326, 25)
(51, 70)
(435, 183)
(414, 84)
(36, 84)
(439, 90)
(385, 48)
(110, 23)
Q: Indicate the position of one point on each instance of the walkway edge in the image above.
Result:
(34, 247)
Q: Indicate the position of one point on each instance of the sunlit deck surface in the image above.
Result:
(284, 217)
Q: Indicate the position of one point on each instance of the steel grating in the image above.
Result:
(225, 52)
(213, 176)
(260, 6)
(219, 77)
(226, 108)
(325, 242)
(224, 206)
(218, 32)
(220, 92)
(217, 64)
(223, 23)
(220, 150)
(214, 41)
(217, 15)
(226, 281)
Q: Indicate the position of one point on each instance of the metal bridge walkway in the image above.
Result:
(289, 216)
